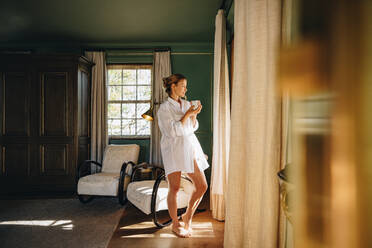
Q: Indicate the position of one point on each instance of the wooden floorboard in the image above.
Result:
(135, 229)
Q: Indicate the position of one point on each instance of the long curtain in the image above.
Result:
(99, 138)
(252, 205)
(161, 68)
(221, 120)
(285, 237)
(287, 36)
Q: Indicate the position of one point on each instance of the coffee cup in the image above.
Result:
(195, 104)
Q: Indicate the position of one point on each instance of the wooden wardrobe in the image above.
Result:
(44, 121)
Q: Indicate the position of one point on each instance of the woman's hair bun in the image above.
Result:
(165, 81)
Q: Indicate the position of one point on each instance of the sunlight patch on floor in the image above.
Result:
(200, 230)
(65, 224)
(145, 224)
(144, 235)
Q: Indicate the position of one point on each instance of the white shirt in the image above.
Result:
(179, 145)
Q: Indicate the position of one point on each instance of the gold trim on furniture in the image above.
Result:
(42, 155)
(3, 104)
(42, 106)
(3, 160)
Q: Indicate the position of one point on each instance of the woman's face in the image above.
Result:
(180, 88)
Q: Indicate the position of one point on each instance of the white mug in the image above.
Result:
(195, 104)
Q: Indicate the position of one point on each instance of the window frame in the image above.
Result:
(128, 66)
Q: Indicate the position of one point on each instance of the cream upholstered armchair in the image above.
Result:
(111, 179)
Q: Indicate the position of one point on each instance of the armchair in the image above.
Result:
(111, 179)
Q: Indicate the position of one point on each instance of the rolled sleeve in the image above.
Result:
(178, 128)
(189, 128)
(192, 128)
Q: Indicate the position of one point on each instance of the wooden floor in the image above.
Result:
(135, 229)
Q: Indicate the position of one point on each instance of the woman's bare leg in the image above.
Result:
(201, 186)
(174, 180)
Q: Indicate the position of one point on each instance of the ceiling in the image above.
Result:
(120, 21)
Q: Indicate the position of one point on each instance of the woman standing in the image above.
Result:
(181, 150)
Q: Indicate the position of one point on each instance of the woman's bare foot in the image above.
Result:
(180, 231)
(187, 222)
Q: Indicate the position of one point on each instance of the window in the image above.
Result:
(129, 96)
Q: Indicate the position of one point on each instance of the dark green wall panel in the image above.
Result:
(198, 71)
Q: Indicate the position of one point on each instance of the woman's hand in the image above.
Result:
(193, 112)
(199, 109)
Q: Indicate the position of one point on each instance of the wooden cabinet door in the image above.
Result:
(15, 124)
(54, 142)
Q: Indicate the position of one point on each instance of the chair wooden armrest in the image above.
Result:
(83, 169)
(122, 183)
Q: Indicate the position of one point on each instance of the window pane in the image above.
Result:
(142, 108)
(129, 127)
(114, 93)
(129, 76)
(125, 118)
(114, 127)
(114, 76)
(129, 110)
(113, 110)
(144, 92)
(144, 76)
(143, 127)
(129, 92)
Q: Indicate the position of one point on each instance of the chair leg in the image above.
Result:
(122, 198)
(85, 198)
(153, 203)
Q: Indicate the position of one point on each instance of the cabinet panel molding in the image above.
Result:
(54, 104)
(16, 104)
(16, 160)
(54, 159)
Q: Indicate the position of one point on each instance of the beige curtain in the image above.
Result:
(285, 228)
(99, 138)
(221, 120)
(162, 68)
(252, 205)
(287, 34)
